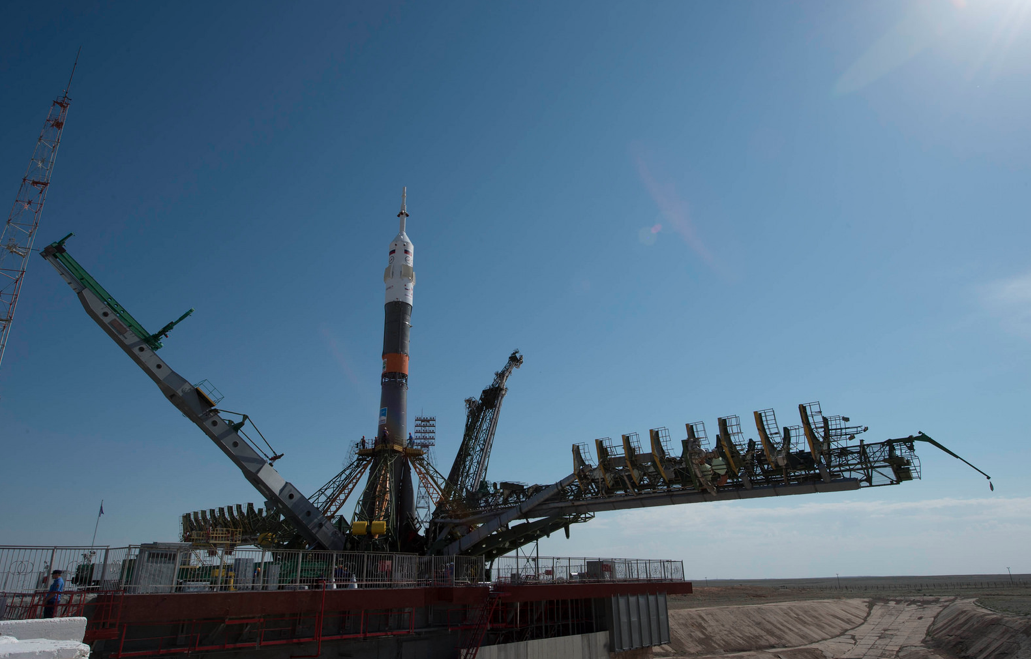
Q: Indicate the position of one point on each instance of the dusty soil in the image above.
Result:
(1019, 605)
(996, 596)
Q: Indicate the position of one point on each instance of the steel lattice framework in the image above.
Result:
(20, 230)
(470, 466)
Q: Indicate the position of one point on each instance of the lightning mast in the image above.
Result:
(20, 230)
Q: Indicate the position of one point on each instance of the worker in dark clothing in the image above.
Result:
(53, 597)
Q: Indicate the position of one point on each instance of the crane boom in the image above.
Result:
(470, 466)
(19, 233)
(194, 403)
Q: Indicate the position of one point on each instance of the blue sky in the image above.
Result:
(677, 211)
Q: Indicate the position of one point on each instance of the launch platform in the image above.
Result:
(426, 565)
(172, 599)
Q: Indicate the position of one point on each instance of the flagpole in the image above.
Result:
(94, 540)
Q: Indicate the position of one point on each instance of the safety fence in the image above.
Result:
(180, 567)
(183, 568)
(929, 585)
(552, 569)
(26, 569)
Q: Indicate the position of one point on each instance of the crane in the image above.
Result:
(481, 422)
(20, 231)
(196, 403)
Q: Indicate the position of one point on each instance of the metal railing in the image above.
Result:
(26, 569)
(181, 567)
(185, 568)
(552, 569)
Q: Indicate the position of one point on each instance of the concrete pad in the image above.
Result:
(890, 627)
(53, 629)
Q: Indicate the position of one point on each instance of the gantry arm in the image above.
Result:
(141, 347)
(921, 437)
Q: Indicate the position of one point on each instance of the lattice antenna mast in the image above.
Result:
(20, 230)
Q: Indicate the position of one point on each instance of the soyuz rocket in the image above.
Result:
(389, 496)
(399, 278)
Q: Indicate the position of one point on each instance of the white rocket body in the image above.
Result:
(400, 275)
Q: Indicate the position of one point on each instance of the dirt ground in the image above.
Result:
(990, 592)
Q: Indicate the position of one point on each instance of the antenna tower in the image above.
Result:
(20, 230)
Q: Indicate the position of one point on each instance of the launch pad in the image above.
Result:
(443, 573)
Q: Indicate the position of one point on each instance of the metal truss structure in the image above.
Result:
(466, 478)
(473, 517)
(20, 231)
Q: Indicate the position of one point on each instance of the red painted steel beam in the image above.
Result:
(166, 607)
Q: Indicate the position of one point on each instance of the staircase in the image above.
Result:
(471, 641)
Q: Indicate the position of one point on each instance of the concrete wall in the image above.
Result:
(638, 621)
(582, 646)
(53, 629)
(720, 629)
(964, 629)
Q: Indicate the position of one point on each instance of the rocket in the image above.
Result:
(389, 495)
(399, 278)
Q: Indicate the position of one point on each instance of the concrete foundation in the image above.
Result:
(582, 646)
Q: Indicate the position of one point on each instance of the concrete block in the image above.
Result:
(53, 629)
(40, 648)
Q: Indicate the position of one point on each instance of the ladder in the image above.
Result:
(469, 647)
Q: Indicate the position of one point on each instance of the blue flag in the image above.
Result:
(101, 509)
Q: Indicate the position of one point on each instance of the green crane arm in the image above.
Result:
(140, 346)
(58, 253)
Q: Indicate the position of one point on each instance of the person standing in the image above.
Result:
(53, 597)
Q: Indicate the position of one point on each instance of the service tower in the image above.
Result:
(388, 503)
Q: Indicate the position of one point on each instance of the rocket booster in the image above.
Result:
(399, 278)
